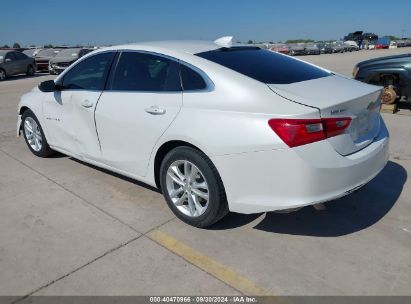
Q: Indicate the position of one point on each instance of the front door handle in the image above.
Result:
(87, 103)
(155, 110)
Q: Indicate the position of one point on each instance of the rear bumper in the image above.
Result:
(288, 178)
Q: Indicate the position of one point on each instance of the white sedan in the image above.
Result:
(217, 127)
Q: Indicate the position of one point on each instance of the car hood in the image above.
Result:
(399, 59)
(43, 58)
(63, 59)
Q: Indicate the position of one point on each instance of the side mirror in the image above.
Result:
(47, 86)
(8, 60)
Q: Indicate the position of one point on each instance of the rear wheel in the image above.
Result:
(192, 187)
(34, 135)
(30, 70)
(2, 74)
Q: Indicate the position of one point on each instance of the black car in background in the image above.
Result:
(392, 72)
(65, 58)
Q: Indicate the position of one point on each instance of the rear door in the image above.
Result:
(142, 99)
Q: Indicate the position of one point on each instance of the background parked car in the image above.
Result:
(351, 45)
(312, 49)
(296, 49)
(392, 72)
(65, 58)
(401, 43)
(337, 47)
(14, 63)
(43, 57)
(383, 43)
(325, 48)
(280, 48)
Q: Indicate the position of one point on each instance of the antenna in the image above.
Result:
(226, 41)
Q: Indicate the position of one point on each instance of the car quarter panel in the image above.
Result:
(34, 101)
(290, 178)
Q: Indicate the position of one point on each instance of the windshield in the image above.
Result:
(265, 66)
(69, 53)
(2, 55)
(30, 52)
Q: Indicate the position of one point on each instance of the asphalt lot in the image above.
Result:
(67, 228)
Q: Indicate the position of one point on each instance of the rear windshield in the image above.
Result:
(265, 66)
(47, 52)
(69, 53)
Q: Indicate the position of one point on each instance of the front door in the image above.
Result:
(69, 113)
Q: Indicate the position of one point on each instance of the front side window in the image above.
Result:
(89, 74)
(265, 66)
(146, 73)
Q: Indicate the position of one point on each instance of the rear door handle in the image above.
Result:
(87, 103)
(155, 110)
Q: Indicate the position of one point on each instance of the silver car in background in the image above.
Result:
(14, 63)
(312, 49)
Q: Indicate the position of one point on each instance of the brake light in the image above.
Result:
(298, 132)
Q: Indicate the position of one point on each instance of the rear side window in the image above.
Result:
(146, 73)
(191, 79)
(265, 66)
(89, 74)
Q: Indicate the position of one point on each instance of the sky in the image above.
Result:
(39, 22)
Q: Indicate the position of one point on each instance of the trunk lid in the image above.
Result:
(336, 96)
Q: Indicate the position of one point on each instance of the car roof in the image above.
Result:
(180, 46)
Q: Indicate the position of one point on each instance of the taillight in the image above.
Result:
(297, 132)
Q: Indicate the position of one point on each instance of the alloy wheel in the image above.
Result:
(33, 134)
(187, 188)
(2, 75)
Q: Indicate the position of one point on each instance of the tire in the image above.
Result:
(211, 210)
(37, 142)
(3, 75)
(30, 70)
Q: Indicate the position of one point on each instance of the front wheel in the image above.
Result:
(2, 75)
(34, 135)
(192, 187)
